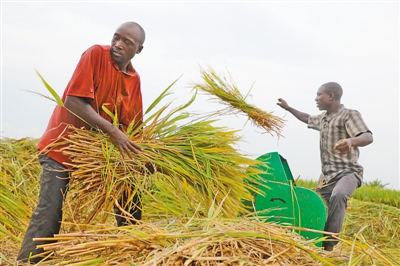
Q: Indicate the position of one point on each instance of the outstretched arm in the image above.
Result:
(303, 117)
(343, 146)
(82, 108)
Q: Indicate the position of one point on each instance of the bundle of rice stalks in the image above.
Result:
(228, 93)
(181, 172)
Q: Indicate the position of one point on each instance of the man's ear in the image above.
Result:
(139, 50)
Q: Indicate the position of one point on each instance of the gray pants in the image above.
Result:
(336, 194)
(46, 219)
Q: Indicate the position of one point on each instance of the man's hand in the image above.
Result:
(124, 144)
(81, 107)
(282, 103)
(343, 146)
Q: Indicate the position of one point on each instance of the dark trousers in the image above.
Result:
(46, 219)
(336, 193)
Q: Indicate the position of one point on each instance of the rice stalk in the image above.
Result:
(228, 94)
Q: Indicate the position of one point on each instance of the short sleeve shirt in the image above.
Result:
(341, 124)
(97, 78)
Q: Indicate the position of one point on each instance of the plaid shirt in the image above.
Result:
(341, 124)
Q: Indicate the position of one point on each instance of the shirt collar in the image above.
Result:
(130, 70)
(329, 117)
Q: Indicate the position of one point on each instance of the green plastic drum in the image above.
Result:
(285, 203)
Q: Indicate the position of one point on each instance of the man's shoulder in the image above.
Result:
(98, 48)
(96, 53)
(350, 114)
(350, 111)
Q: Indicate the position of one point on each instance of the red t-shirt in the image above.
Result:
(96, 77)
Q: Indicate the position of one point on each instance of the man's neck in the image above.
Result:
(333, 108)
(123, 68)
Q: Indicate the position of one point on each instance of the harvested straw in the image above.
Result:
(19, 171)
(378, 223)
(228, 93)
(196, 242)
(19, 185)
(206, 241)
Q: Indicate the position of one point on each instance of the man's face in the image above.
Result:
(323, 99)
(126, 42)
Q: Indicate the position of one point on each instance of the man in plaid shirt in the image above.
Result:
(342, 131)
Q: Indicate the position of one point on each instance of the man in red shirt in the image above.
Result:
(104, 76)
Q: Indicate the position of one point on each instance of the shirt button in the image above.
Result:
(91, 90)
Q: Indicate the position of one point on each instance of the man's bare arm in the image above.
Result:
(303, 117)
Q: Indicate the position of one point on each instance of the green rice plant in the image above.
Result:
(385, 196)
(375, 183)
(307, 183)
(370, 192)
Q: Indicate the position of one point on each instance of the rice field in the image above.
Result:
(374, 192)
(370, 234)
(193, 184)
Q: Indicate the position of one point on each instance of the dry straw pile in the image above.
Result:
(207, 241)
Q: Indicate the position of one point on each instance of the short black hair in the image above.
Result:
(334, 88)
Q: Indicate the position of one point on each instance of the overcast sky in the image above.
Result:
(280, 49)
